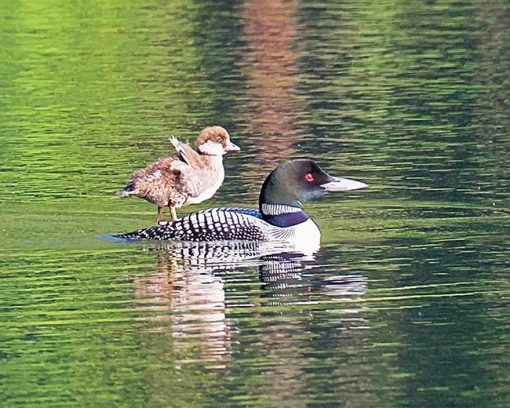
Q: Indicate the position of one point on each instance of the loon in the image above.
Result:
(279, 217)
(190, 178)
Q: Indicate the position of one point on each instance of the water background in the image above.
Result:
(406, 304)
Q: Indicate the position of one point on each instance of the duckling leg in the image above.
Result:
(173, 212)
(159, 220)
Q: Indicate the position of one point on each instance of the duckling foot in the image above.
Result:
(160, 217)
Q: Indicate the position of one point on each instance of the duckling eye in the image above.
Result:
(309, 177)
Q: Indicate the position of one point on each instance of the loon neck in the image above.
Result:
(282, 215)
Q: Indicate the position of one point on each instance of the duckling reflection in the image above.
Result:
(192, 302)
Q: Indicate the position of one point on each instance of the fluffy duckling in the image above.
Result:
(190, 178)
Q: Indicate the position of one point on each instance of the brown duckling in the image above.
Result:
(190, 178)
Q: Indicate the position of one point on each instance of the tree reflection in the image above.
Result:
(273, 106)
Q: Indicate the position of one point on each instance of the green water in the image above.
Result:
(407, 303)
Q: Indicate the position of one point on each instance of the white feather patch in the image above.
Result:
(154, 176)
(212, 148)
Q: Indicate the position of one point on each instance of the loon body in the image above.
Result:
(190, 178)
(279, 217)
(226, 224)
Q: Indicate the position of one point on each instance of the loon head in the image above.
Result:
(215, 141)
(297, 181)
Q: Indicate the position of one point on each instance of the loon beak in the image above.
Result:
(343, 184)
(231, 147)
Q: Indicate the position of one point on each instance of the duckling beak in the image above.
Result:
(231, 147)
(343, 184)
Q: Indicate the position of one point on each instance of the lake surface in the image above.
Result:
(407, 303)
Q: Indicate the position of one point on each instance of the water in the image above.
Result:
(405, 304)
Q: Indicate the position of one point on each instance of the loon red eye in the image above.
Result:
(309, 177)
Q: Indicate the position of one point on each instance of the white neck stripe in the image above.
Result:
(277, 209)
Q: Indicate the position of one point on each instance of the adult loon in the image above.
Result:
(279, 217)
(190, 178)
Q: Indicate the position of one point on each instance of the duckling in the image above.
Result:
(190, 178)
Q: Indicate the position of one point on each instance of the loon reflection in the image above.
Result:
(188, 295)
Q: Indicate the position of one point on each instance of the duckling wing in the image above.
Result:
(173, 176)
(156, 181)
(163, 169)
(185, 153)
